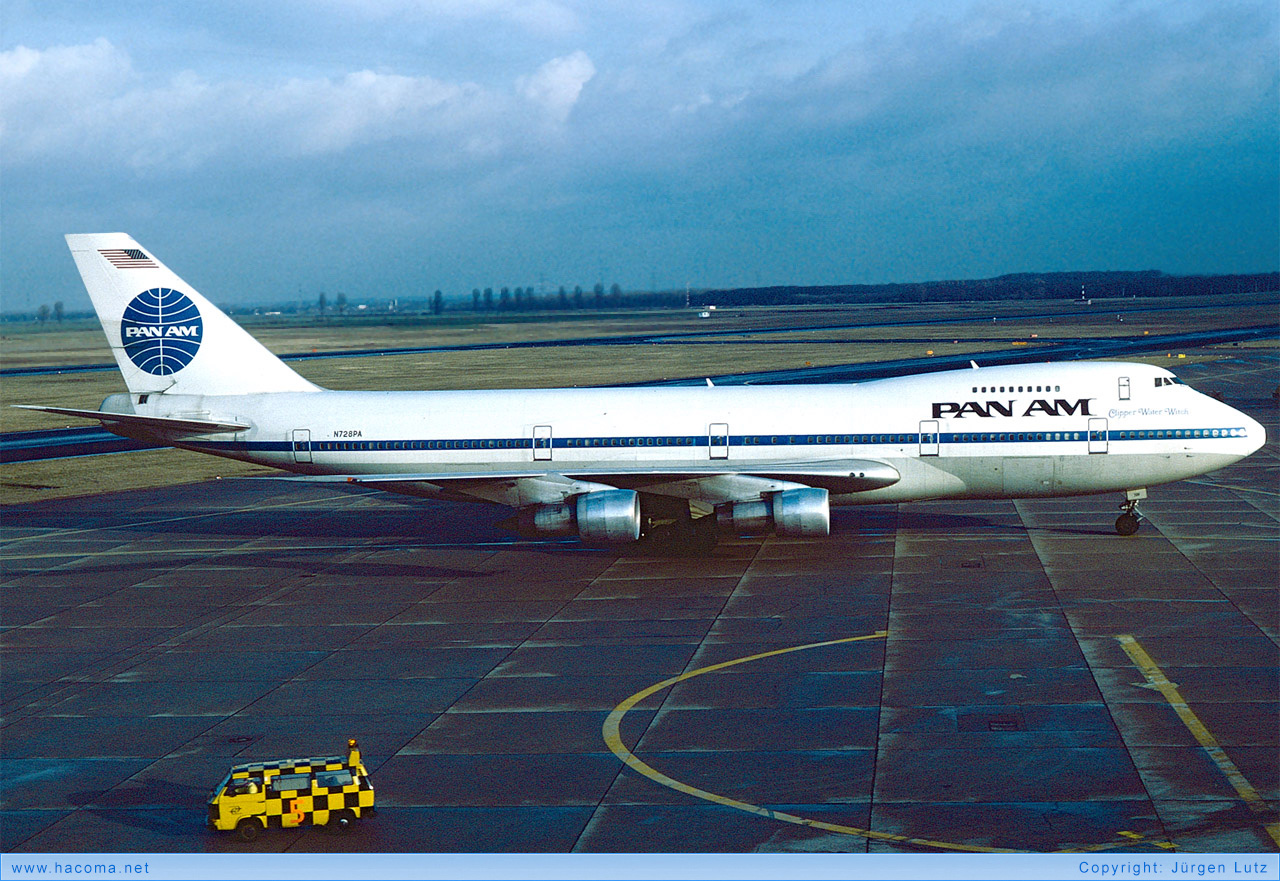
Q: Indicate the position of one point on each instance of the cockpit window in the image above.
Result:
(1168, 380)
(244, 787)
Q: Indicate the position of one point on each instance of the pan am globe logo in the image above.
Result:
(161, 331)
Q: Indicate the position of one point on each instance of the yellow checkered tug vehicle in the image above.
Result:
(327, 791)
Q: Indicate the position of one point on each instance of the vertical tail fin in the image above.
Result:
(165, 336)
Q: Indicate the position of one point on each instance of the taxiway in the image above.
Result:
(933, 676)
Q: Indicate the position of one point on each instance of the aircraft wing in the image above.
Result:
(146, 423)
(714, 484)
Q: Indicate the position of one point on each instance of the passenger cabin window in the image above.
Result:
(289, 782)
(333, 779)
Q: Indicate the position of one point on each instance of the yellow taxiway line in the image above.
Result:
(613, 738)
(1156, 679)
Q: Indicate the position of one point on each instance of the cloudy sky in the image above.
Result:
(270, 150)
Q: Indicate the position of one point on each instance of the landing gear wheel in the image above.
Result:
(1127, 523)
(248, 829)
(671, 530)
(682, 539)
(341, 822)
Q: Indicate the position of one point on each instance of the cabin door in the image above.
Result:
(929, 437)
(302, 445)
(718, 440)
(1097, 436)
(542, 443)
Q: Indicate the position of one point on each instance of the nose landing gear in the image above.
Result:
(1129, 521)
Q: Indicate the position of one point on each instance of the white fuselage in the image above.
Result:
(616, 464)
(1002, 432)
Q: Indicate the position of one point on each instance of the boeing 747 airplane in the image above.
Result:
(613, 464)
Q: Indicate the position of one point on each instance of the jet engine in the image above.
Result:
(609, 515)
(604, 516)
(796, 512)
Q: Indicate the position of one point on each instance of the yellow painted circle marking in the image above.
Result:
(613, 738)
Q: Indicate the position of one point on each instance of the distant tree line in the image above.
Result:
(44, 312)
(528, 299)
(1020, 286)
(340, 302)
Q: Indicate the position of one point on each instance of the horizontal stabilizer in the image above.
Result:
(155, 423)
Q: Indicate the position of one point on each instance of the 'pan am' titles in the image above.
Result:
(1057, 407)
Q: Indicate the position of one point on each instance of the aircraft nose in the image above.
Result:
(1256, 434)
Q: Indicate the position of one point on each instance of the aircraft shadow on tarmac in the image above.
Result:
(301, 563)
(162, 808)
(415, 523)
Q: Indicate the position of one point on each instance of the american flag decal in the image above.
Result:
(128, 258)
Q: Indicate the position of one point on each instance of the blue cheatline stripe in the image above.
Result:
(26, 446)
(744, 441)
(1178, 434)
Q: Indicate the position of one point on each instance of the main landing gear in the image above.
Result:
(668, 527)
(1129, 521)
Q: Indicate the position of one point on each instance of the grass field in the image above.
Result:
(747, 349)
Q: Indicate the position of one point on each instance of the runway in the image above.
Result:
(932, 677)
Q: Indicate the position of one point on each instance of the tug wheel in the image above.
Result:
(248, 829)
(341, 822)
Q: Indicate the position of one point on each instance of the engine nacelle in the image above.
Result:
(604, 516)
(609, 515)
(548, 520)
(796, 512)
(802, 512)
(745, 518)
